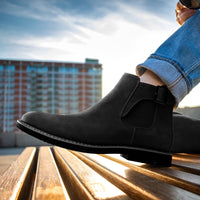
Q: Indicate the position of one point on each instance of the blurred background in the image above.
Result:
(62, 56)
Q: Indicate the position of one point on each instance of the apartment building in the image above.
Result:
(54, 87)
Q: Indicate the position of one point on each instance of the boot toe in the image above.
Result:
(33, 118)
(40, 120)
(57, 125)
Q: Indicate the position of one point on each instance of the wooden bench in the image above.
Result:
(56, 173)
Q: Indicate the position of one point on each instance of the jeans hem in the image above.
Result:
(169, 74)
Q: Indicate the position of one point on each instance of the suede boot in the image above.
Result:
(134, 119)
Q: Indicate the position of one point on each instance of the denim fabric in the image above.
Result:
(177, 60)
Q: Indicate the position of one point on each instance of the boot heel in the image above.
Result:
(153, 158)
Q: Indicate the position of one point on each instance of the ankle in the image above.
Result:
(151, 78)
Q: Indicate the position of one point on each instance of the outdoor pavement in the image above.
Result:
(7, 156)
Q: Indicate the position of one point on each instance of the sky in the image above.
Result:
(120, 33)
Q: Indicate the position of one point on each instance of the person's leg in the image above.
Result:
(151, 78)
(177, 61)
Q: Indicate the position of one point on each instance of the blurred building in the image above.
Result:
(54, 87)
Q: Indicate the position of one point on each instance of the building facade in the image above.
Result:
(54, 87)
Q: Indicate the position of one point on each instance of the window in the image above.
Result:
(10, 68)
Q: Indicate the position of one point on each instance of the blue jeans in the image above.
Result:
(177, 60)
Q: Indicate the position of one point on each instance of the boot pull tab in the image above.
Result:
(161, 95)
(164, 96)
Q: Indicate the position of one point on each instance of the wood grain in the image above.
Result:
(169, 175)
(14, 182)
(48, 183)
(85, 182)
(57, 173)
(187, 158)
(134, 183)
(187, 165)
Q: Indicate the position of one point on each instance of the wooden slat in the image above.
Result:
(187, 158)
(48, 183)
(135, 184)
(95, 177)
(192, 168)
(175, 177)
(83, 182)
(187, 163)
(15, 183)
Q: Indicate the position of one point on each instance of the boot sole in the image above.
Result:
(130, 153)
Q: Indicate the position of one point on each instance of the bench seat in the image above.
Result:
(55, 173)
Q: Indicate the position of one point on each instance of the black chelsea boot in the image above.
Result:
(134, 120)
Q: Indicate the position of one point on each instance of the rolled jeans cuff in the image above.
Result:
(168, 73)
